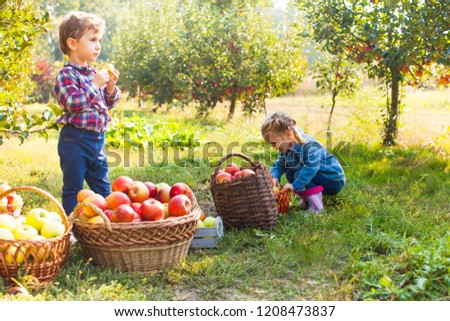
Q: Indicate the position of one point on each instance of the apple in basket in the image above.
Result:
(231, 168)
(3, 203)
(37, 217)
(124, 213)
(180, 205)
(122, 184)
(96, 200)
(8, 222)
(136, 207)
(138, 192)
(115, 199)
(152, 210)
(223, 177)
(181, 188)
(247, 172)
(152, 189)
(14, 199)
(164, 194)
(83, 194)
(52, 229)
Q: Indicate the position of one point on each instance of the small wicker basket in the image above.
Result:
(41, 259)
(247, 201)
(145, 247)
(283, 197)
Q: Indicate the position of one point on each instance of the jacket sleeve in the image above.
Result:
(278, 168)
(312, 159)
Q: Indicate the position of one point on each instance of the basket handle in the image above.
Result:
(229, 156)
(45, 194)
(95, 208)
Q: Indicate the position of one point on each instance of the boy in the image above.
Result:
(86, 95)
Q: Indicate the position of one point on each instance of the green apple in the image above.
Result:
(55, 217)
(200, 224)
(7, 221)
(14, 254)
(209, 221)
(6, 234)
(52, 229)
(25, 232)
(37, 217)
(20, 220)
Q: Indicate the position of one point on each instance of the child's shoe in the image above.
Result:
(314, 197)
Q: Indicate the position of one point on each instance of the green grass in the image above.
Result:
(384, 237)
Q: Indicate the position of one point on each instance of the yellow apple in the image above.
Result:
(52, 229)
(55, 217)
(96, 220)
(39, 254)
(6, 234)
(14, 254)
(25, 232)
(209, 221)
(7, 221)
(200, 224)
(37, 217)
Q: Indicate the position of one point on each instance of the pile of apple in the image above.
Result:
(208, 221)
(38, 225)
(232, 172)
(135, 201)
(10, 201)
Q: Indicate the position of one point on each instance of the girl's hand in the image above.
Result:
(289, 185)
(276, 182)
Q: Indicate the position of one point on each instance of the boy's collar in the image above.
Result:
(78, 67)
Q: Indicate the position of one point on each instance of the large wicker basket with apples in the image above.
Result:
(35, 243)
(134, 231)
(244, 197)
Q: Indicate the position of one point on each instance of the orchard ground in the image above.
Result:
(385, 236)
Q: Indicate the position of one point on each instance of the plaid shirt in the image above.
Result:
(84, 105)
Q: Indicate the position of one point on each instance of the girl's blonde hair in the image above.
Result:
(278, 123)
(75, 24)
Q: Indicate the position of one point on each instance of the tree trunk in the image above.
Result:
(232, 106)
(329, 134)
(390, 130)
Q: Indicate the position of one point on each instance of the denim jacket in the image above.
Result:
(308, 158)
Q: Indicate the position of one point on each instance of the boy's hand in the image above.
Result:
(100, 78)
(113, 74)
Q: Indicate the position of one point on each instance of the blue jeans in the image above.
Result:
(330, 187)
(81, 157)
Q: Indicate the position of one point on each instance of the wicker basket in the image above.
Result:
(283, 197)
(247, 201)
(145, 247)
(41, 259)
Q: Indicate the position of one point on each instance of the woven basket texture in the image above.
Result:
(41, 259)
(246, 201)
(145, 247)
(283, 197)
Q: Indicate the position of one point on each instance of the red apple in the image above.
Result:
(223, 177)
(124, 213)
(181, 188)
(247, 172)
(136, 217)
(108, 213)
(237, 174)
(136, 207)
(115, 199)
(152, 189)
(14, 199)
(122, 184)
(96, 200)
(161, 185)
(152, 210)
(163, 195)
(83, 194)
(218, 172)
(231, 168)
(138, 192)
(180, 205)
(82, 216)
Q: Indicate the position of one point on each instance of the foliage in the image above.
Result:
(138, 132)
(207, 52)
(388, 36)
(337, 76)
(44, 79)
(20, 27)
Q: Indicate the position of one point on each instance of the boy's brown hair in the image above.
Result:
(75, 24)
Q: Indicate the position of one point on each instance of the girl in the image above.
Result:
(309, 168)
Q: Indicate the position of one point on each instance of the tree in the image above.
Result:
(335, 75)
(19, 27)
(207, 51)
(388, 36)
